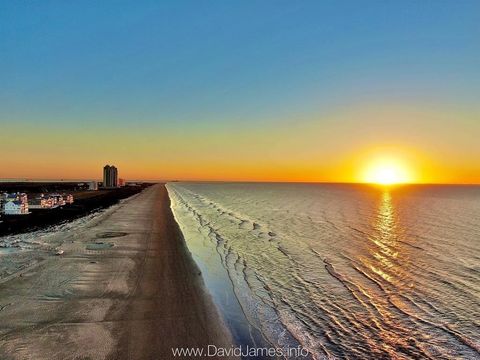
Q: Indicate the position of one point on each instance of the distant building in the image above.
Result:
(110, 176)
(51, 201)
(60, 200)
(42, 202)
(14, 208)
(15, 204)
(121, 182)
(93, 185)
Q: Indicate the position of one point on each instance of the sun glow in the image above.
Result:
(387, 172)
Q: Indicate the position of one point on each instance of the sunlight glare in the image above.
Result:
(386, 172)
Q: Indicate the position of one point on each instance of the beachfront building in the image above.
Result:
(15, 204)
(51, 201)
(110, 176)
(60, 200)
(15, 197)
(21, 197)
(42, 202)
(15, 208)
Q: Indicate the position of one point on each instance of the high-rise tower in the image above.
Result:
(110, 176)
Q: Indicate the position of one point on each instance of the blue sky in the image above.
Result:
(230, 61)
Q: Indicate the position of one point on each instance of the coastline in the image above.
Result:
(39, 219)
(221, 283)
(125, 288)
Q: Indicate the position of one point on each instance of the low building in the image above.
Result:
(51, 201)
(42, 202)
(93, 185)
(60, 200)
(15, 204)
(15, 208)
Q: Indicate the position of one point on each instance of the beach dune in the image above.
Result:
(126, 287)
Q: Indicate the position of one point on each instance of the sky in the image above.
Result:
(240, 90)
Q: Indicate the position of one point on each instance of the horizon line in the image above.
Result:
(6, 180)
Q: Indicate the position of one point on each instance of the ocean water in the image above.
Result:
(345, 271)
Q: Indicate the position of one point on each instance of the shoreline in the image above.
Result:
(136, 298)
(39, 219)
(218, 280)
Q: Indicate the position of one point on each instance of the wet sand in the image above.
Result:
(125, 288)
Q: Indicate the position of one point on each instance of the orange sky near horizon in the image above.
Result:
(335, 147)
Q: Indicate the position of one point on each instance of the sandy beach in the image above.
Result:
(126, 287)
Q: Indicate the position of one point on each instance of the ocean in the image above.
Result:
(344, 271)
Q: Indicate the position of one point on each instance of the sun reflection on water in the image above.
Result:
(385, 239)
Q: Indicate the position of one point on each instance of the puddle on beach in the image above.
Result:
(112, 234)
(99, 246)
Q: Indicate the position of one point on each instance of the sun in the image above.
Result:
(386, 172)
